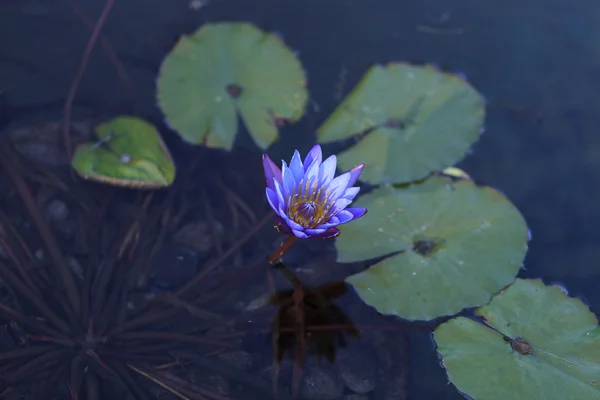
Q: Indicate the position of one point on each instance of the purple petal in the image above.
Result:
(327, 170)
(273, 199)
(340, 204)
(296, 166)
(338, 186)
(272, 171)
(328, 234)
(291, 224)
(350, 193)
(299, 234)
(344, 216)
(282, 227)
(312, 172)
(316, 231)
(279, 192)
(313, 155)
(355, 173)
(289, 183)
(356, 212)
(333, 221)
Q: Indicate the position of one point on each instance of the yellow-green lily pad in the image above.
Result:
(129, 152)
(536, 343)
(228, 68)
(451, 246)
(407, 121)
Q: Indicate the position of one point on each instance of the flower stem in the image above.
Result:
(294, 280)
(287, 244)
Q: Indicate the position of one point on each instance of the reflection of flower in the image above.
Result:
(311, 319)
(308, 200)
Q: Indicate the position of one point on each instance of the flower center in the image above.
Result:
(307, 210)
(308, 206)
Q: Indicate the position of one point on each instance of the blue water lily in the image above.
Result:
(309, 200)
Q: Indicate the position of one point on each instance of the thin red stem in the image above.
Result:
(75, 85)
(283, 248)
(112, 55)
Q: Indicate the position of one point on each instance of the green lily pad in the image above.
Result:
(538, 344)
(226, 68)
(459, 245)
(129, 152)
(408, 121)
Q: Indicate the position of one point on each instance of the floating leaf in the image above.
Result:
(459, 245)
(226, 68)
(540, 344)
(129, 153)
(408, 121)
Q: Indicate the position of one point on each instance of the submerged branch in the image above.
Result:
(129, 382)
(59, 263)
(46, 361)
(153, 316)
(228, 371)
(11, 279)
(191, 389)
(158, 382)
(181, 292)
(28, 323)
(171, 336)
(21, 352)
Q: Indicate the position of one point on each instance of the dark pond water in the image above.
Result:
(537, 63)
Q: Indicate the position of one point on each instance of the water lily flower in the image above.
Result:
(309, 200)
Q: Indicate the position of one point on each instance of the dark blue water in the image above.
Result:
(536, 62)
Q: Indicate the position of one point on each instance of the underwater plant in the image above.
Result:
(95, 328)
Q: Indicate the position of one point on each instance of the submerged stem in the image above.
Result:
(294, 280)
(283, 248)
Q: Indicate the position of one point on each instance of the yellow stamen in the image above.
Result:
(309, 205)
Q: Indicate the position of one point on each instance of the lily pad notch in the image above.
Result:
(225, 70)
(406, 122)
(129, 152)
(536, 343)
